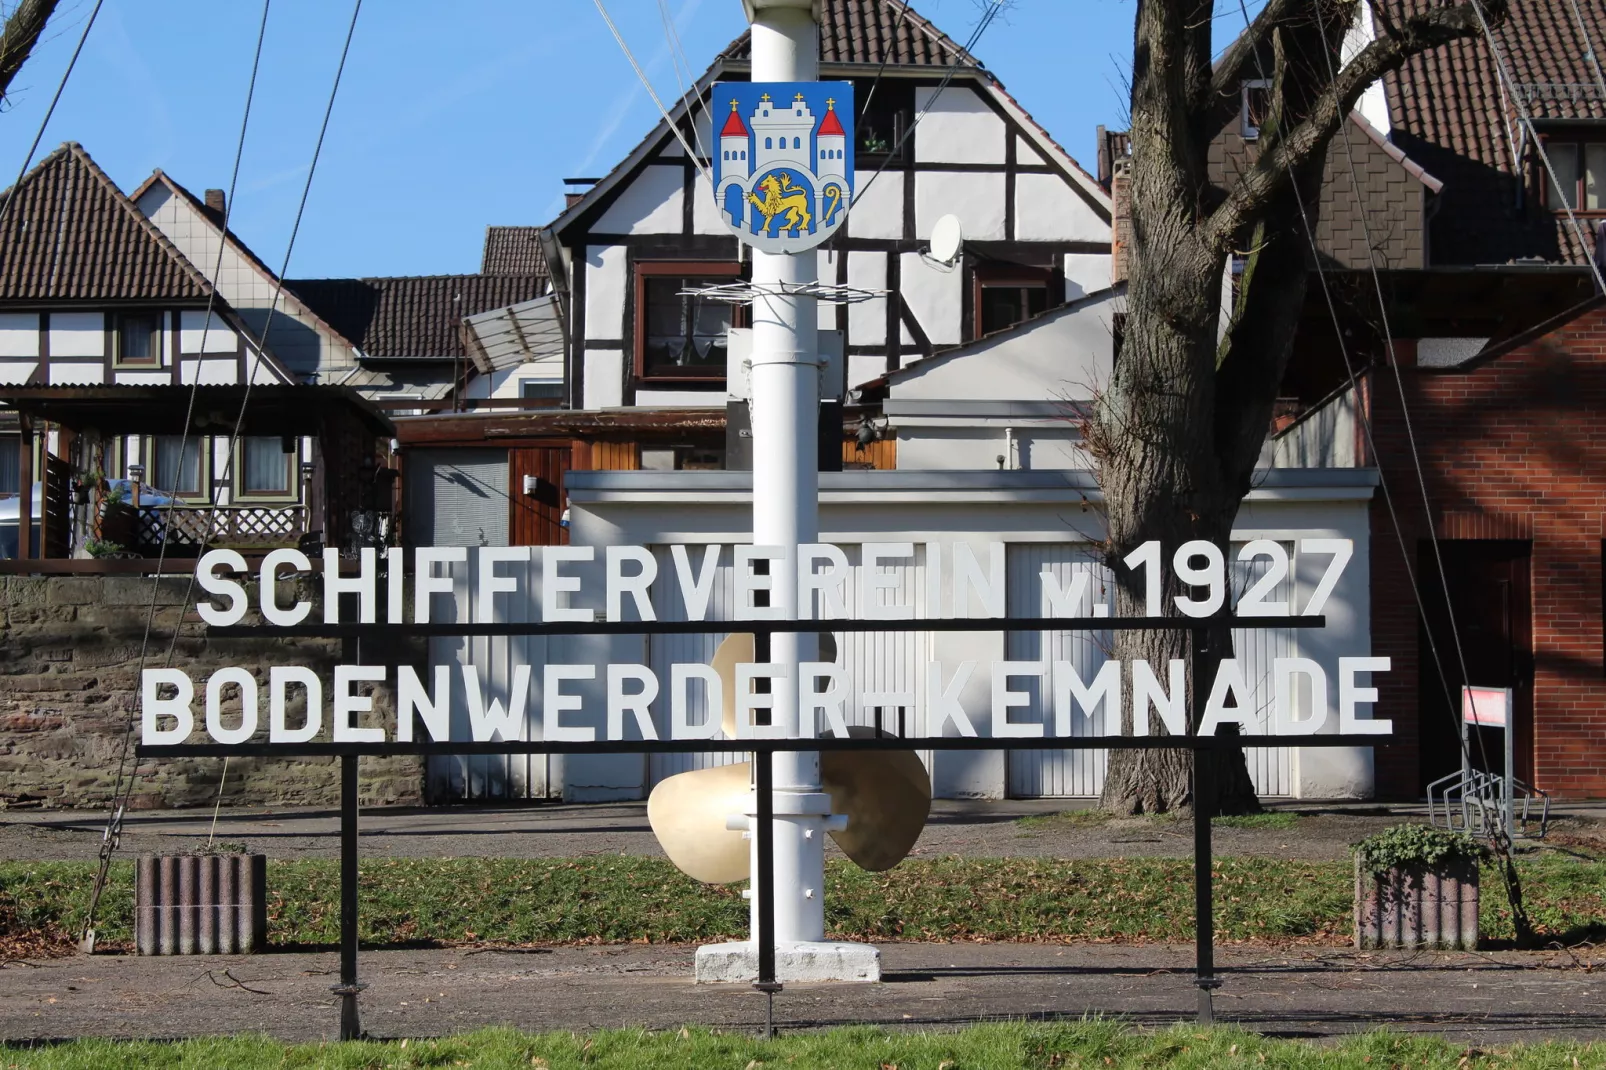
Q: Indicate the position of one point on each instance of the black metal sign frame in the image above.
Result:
(763, 751)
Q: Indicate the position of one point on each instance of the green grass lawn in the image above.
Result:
(619, 899)
(1094, 1044)
(1093, 817)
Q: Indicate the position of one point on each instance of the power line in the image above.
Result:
(993, 9)
(39, 136)
(109, 843)
(886, 56)
(678, 60)
(1365, 416)
(641, 75)
(109, 840)
(1589, 48)
(1526, 118)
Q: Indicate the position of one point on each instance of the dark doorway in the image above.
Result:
(1489, 592)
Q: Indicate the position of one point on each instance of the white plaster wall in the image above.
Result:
(680, 399)
(16, 372)
(209, 371)
(19, 334)
(977, 199)
(978, 447)
(219, 336)
(1066, 354)
(877, 210)
(651, 204)
(143, 378)
(1048, 209)
(705, 217)
(862, 368)
(1086, 273)
(959, 127)
(1026, 153)
(87, 373)
(604, 381)
(935, 297)
(77, 334)
(606, 279)
(867, 320)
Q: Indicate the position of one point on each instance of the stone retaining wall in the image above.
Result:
(70, 651)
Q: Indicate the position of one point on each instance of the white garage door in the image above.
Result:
(1071, 773)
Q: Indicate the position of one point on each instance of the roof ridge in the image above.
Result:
(75, 152)
(231, 238)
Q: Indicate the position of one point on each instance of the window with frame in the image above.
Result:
(879, 131)
(1007, 295)
(138, 340)
(177, 464)
(681, 337)
(1580, 175)
(541, 389)
(1254, 107)
(265, 465)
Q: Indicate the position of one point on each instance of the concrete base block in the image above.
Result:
(801, 962)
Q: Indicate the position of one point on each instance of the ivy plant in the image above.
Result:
(1408, 846)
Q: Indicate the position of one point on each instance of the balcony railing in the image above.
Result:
(241, 527)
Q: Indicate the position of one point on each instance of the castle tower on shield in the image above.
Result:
(735, 168)
(830, 164)
(781, 135)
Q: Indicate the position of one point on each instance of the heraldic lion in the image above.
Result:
(781, 196)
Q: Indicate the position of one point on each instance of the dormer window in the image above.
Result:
(1254, 106)
(1580, 182)
(138, 340)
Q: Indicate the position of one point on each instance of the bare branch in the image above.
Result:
(22, 29)
(1387, 53)
(1230, 67)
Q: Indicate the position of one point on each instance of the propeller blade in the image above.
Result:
(687, 812)
(886, 796)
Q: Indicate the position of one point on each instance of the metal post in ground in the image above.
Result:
(764, 886)
(349, 986)
(1204, 805)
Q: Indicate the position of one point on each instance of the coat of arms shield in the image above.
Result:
(783, 161)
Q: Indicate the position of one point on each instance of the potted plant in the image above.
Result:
(1417, 887)
(102, 548)
(118, 521)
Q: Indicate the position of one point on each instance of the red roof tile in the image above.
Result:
(413, 317)
(72, 234)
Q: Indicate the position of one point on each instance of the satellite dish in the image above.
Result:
(947, 239)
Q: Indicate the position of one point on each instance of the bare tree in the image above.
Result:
(22, 29)
(1178, 433)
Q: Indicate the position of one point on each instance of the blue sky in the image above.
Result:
(453, 116)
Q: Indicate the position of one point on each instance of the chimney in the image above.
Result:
(572, 199)
(1121, 223)
(214, 201)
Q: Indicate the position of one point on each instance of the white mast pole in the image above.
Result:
(785, 421)
(785, 426)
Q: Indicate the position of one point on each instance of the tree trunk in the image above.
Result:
(22, 30)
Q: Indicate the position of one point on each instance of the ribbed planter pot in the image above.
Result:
(201, 904)
(1417, 907)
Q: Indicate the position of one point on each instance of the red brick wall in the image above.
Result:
(1514, 448)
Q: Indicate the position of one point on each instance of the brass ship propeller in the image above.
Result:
(886, 796)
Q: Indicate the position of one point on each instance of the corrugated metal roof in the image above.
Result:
(531, 331)
(72, 234)
(412, 317)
